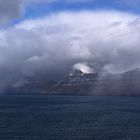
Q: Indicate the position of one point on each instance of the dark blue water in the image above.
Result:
(69, 118)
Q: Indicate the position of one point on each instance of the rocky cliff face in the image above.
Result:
(79, 83)
(102, 83)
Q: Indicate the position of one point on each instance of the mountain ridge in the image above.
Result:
(79, 83)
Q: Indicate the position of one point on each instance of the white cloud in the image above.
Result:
(12, 9)
(54, 44)
(83, 67)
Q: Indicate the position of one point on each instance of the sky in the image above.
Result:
(52, 37)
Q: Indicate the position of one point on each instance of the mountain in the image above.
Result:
(124, 84)
(79, 83)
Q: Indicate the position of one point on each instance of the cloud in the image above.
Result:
(53, 44)
(9, 9)
(12, 9)
(83, 67)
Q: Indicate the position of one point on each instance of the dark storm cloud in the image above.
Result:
(9, 9)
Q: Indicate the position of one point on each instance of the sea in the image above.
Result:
(69, 118)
